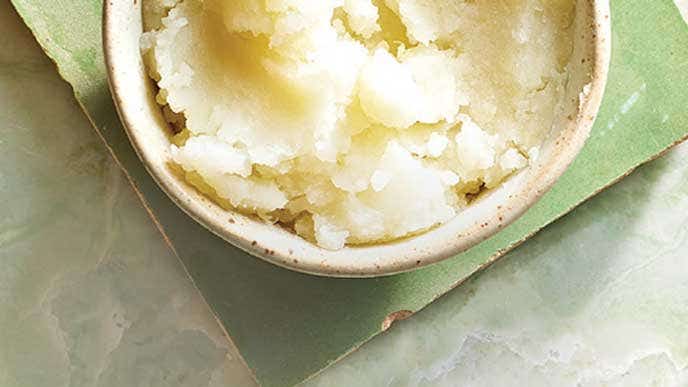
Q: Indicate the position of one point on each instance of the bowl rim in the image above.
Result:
(299, 255)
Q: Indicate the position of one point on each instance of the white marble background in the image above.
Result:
(90, 295)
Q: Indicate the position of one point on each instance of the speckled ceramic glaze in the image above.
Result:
(134, 95)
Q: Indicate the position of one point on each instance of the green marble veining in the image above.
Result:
(91, 296)
(600, 298)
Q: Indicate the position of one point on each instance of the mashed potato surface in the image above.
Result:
(356, 121)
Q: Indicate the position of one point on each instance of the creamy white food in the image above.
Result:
(356, 121)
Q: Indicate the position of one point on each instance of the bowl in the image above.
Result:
(134, 96)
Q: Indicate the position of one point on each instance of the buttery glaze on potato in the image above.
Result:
(356, 121)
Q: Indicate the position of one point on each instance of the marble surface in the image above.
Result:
(598, 299)
(90, 295)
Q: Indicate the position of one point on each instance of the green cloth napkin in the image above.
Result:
(289, 326)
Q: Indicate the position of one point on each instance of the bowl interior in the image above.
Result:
(134, 95)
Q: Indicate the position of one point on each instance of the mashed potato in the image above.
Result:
(356, 121)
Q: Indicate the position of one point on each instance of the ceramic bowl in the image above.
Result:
(134, 95)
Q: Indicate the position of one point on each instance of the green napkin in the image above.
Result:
(288, 326)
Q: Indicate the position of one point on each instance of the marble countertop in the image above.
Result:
(91, 296)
